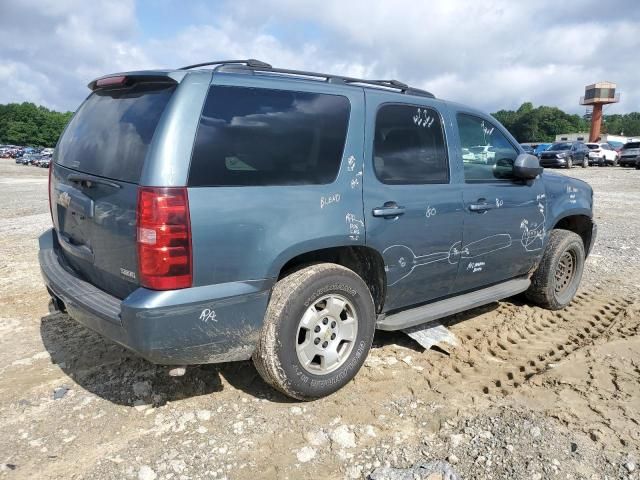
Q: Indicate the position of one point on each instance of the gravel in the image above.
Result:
(409, 411)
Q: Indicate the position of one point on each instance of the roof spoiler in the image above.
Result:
(124, 80)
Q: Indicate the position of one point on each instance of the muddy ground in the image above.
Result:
(529, 394)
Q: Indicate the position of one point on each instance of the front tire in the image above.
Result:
(585, 162)
(557, 278)
(317, 331)
(569, 162)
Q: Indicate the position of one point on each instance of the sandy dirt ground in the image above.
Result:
(528, 394)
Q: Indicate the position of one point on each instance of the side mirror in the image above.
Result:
(527, 166)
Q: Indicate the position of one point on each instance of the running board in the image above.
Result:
(450, 306)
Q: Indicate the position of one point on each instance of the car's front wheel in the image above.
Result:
(569, 163)
(317, 331)
(585, 162)
(557, 278)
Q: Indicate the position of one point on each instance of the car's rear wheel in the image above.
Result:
(317, 332)
(557, 278)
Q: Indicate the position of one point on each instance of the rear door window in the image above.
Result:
(409, 146)
(110, 134)
(256, 137)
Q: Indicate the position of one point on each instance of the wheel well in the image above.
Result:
(364, 261)
(580, 224)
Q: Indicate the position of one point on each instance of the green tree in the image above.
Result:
(29, 124)
(626, 124)
(539, 124)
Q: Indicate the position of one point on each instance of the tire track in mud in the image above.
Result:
(518, 343)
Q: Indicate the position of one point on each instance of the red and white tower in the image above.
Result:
(597, 95)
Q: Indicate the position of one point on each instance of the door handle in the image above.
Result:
(388, 210)
(480, 207)
(81, 251)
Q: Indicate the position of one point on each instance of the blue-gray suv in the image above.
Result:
(232, 210)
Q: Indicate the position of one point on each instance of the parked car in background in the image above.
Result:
(565, 155)
(602, 154)
(541, 148)
(43, 161)
(483, 154)
(527, 148)
(12, 152)
(181, 205)
(29, 158)
(617, 146)
(629, 154)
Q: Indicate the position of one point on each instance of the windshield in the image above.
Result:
(560, 146)
(111, 132)
(615, 144)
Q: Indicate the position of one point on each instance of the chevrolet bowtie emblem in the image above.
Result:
(64, 199)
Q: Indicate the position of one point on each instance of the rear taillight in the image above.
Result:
(164, 238)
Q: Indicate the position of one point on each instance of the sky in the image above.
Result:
(490, 54)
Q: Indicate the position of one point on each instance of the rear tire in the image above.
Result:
(317, 331)
(557, 278)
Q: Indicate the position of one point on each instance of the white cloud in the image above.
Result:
(55, 47)
(492, 54)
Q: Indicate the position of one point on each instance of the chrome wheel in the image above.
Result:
(326, 334)
(565, 271)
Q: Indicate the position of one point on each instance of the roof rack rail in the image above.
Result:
(251, 62)
(258, 66)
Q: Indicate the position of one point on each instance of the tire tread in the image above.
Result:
(541, 289)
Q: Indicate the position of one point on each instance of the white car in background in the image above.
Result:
(483, 153)
(602, 154)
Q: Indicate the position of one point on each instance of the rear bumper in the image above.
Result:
(628, 161)
(210, 324)
(595, 158)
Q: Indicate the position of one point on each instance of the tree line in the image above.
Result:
(542, 124)
(28, 124)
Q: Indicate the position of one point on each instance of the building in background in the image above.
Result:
(615, 141)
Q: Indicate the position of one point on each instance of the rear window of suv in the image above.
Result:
(631, 145)
(110, 133)
(256, 137)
